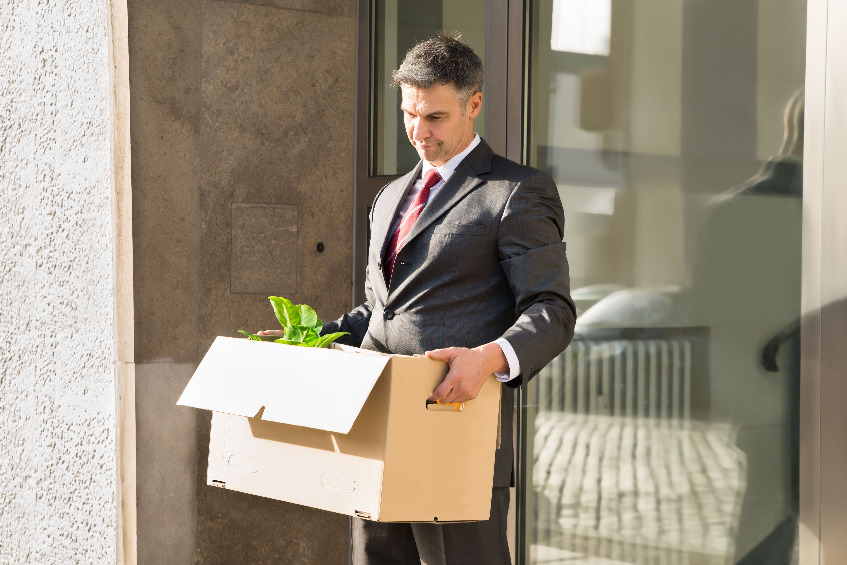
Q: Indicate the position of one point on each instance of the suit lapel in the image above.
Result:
(383, 222)
(464, 179)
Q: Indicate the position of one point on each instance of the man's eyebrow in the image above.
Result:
(434, 113)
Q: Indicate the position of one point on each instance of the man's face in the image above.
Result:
(437, 123)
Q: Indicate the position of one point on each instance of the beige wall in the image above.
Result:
(58, 352)
(243, 123)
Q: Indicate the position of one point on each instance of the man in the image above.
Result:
(468, 266)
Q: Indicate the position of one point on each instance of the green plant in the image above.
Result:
(300, 323)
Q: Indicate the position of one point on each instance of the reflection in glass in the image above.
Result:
(667, 432)
(581, 27)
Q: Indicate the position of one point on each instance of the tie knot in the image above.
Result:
(431, 178)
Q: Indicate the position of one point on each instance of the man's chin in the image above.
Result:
(431, 156)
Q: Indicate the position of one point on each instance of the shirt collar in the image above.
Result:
(446, 170)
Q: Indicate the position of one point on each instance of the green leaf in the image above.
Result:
(311, 341)
(308, 316)
(286, 312)
(325, 340)
(299, 333)
(301, 324)
(291, 342)
(292, 333)
(250, 336)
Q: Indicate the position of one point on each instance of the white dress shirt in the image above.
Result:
(445, 171)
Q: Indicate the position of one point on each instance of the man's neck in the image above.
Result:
(446, 169)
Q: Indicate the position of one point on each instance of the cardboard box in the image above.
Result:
(345, 430)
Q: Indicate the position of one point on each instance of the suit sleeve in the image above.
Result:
(532, 255)
(356, 321)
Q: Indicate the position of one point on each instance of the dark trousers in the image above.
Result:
(468, 543)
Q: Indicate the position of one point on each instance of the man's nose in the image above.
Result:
(419, 132)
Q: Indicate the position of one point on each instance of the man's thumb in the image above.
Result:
(441, 354)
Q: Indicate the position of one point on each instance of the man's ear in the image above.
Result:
(474, 105)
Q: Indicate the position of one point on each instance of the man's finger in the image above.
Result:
(445, 389)
(441, 391)
(447, 354)
(458, 393)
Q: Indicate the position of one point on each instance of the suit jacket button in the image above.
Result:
(388, 314)
(379, 265)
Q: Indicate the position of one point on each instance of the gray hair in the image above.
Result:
(443, 59)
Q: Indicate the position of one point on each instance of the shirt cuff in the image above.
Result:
(511, 359)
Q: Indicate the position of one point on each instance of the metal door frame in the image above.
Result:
(823, 395)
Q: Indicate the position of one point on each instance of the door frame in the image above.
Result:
(823, 394)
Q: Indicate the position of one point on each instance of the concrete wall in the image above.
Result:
(243, 123)
(57, 284)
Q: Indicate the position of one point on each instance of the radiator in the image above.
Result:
(649, 378)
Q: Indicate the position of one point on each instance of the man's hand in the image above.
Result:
(469, 368)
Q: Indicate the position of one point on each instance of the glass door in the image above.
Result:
(668, 430)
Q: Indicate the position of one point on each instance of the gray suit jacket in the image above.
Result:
(484, 260)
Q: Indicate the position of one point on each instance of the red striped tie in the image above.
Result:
(399, 238)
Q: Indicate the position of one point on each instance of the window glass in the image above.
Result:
(667, 432)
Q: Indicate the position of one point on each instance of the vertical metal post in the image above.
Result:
(361, 164)
(810, 387)
(823, 489)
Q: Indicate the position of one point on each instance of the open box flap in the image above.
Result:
(301, 386)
